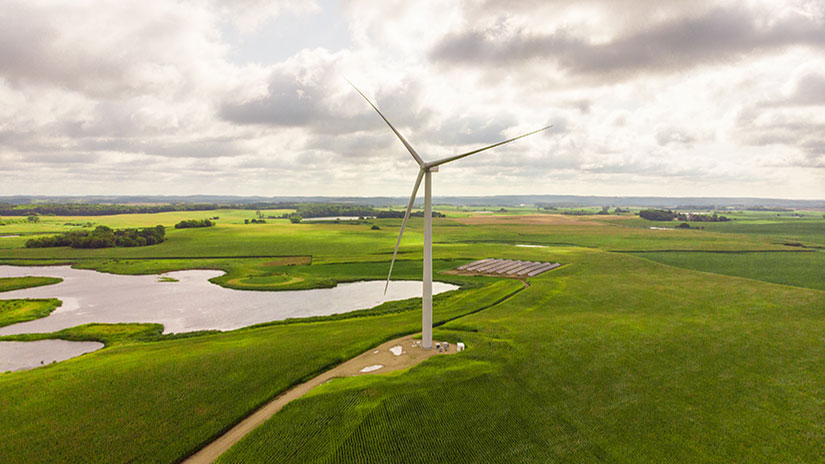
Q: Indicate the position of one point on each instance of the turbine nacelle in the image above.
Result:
(424, 172)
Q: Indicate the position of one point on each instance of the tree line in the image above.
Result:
(668, 215)
(194, 223)
(102, 237)
(96, 209)
(305, 210)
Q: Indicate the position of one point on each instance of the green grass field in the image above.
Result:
(8, 284)
(798, 269)
(653, 355)
(663, 365)
(22, 310)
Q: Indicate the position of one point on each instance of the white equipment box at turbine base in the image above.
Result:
(459, 346)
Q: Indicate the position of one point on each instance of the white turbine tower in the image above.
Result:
(425, 171)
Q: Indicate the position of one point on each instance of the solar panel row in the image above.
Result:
(508, 267)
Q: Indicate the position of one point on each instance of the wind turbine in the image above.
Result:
(425, 171)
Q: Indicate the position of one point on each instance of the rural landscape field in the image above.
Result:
(645, 345)
(468, 231)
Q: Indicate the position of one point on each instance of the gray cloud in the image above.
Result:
(719, 35)
(795, 131)
(89, 50)
(307, 95)
(808, 91)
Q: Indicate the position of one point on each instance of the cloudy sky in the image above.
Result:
(249, 97)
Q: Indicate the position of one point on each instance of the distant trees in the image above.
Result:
(101, 209)
(33, 218)
(102, 237)
(702, 217)
(194, 223)
(254, 221)
(295, 219)
(657, 214)
(668, 215)
(93, 209)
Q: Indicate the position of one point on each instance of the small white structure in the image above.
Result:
(374, 367)
(459, 346)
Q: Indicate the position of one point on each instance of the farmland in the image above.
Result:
(629, 352)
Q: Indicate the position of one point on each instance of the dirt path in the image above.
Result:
(411, 354)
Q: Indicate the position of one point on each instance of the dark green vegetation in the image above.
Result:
(93, 209)
(16, 283)
(102, 237)
(668, 215)
(14, 311)
(194, 223)
(612, 357)
(105, 209)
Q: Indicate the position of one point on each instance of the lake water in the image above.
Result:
(192, 303)
(15, 356)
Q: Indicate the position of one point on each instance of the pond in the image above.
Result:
(15, 356)
(182, 301)
(192, 303)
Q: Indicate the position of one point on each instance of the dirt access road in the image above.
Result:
(409, 354)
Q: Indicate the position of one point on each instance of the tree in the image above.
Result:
(295, 219)
(33, 219)
(657, 214)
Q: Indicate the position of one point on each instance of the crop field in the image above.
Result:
(794, 268)
(645, 346)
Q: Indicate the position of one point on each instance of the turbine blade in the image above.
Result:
(404, 224)
(453, 158)
(397, 134)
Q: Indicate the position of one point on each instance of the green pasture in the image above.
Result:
(163, 399)
(22, 310)
(612, 358)
(15, 283)
(801, 269)
(333, 242)
(778, 228)
(667, 353)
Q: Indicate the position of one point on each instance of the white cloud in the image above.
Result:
(662, 98)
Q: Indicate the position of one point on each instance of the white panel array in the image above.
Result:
(507, 267)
